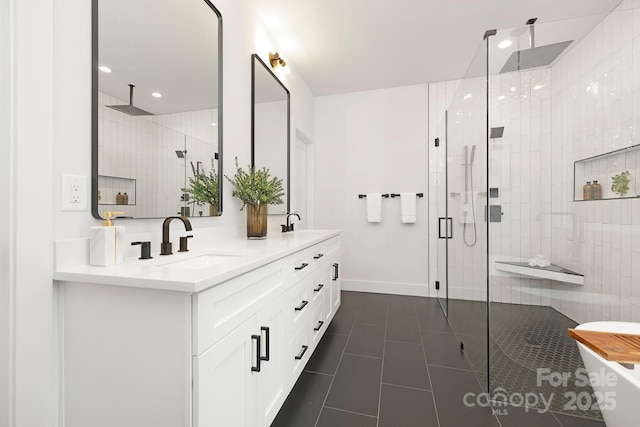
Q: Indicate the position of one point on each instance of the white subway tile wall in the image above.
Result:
(144, 149)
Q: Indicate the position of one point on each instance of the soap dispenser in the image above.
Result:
(106, 243)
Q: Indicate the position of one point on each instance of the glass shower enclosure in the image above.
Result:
(505, 140)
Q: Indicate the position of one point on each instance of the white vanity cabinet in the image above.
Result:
(226, 355)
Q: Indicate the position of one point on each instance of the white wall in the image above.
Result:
(44, 70)
(375, 142)
(595, 103)
(26, 82)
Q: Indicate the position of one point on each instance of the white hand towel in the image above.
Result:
(408, 208)
(374, 207)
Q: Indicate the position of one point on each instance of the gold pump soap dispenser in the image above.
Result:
(106, 243)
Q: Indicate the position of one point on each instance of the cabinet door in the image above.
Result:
(224, 383)
(270, 380)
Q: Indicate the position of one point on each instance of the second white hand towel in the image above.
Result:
(374, 207)
(408, 208)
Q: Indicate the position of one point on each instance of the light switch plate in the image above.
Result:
(74, 193)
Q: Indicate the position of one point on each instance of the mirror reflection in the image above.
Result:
(156, 108)
(270, 127)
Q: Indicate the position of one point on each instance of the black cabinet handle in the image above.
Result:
(303, 305)
(265, 329)
(320, 286)
(257, 338)
(335, 271)
(304, 264)
(320, 323)
(301, 354)
(318, 256)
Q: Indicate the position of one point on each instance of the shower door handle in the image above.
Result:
(448, 228)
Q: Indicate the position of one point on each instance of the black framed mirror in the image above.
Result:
(156, 108)
(270, 127)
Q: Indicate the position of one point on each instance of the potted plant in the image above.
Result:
(256, 188)
(620, 183)
(203, 188)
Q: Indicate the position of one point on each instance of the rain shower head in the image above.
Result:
(541, 56)
(533, 57)
(180, 153)
(129, 108)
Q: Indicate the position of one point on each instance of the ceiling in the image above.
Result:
(340, 46)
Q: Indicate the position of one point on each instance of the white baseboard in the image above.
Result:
(412, 289)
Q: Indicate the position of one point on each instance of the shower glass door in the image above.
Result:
(458, 170)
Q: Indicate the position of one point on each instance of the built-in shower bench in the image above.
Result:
(552, 272)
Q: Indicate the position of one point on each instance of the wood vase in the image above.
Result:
(213, 210)
(257, 221)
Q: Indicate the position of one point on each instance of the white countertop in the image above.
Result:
(162, 273)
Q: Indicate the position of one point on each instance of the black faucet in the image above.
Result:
(165, 246)
(289, 227)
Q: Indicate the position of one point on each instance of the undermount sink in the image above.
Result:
(209, 259)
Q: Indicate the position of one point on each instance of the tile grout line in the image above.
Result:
(364, 355)
(339, 362)
(349, 412)
(384, 350)
(408, 387)
(424, 355)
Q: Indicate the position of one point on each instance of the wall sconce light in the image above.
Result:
(274, 59)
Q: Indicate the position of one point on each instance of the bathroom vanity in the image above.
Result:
(212, 337)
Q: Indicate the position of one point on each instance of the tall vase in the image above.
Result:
(213, 210)
(257, 221)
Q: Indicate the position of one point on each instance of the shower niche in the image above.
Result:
(602, 169)
(115, 190)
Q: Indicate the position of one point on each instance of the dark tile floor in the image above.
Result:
(389, 360)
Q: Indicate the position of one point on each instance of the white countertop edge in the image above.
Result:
(149, 275)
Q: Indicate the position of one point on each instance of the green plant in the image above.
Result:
(203, 187)
(256, 186)
(620, 183)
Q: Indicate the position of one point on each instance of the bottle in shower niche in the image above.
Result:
(119, 198)
(125, 199)
(586, 191)
(596, 190)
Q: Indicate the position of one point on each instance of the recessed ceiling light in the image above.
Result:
(104, 69)
(505, 44)
(156, 95)
(501, 97)
(467, 96)
(538, 87)
(513, 88)
(213, 124)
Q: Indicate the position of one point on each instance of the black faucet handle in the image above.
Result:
(183, 243)
(145, 249)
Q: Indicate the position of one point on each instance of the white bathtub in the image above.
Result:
(616, 387)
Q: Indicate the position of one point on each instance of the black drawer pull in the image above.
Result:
(304, 264)
(320, 286)
(257, 339)
(318, 256)
(303, 305)
(320, 323)
(265, 329)
(301, 354)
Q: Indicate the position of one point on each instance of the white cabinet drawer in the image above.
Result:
(221, 309)
(296, 356)
(317, 325)
(300, 265)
